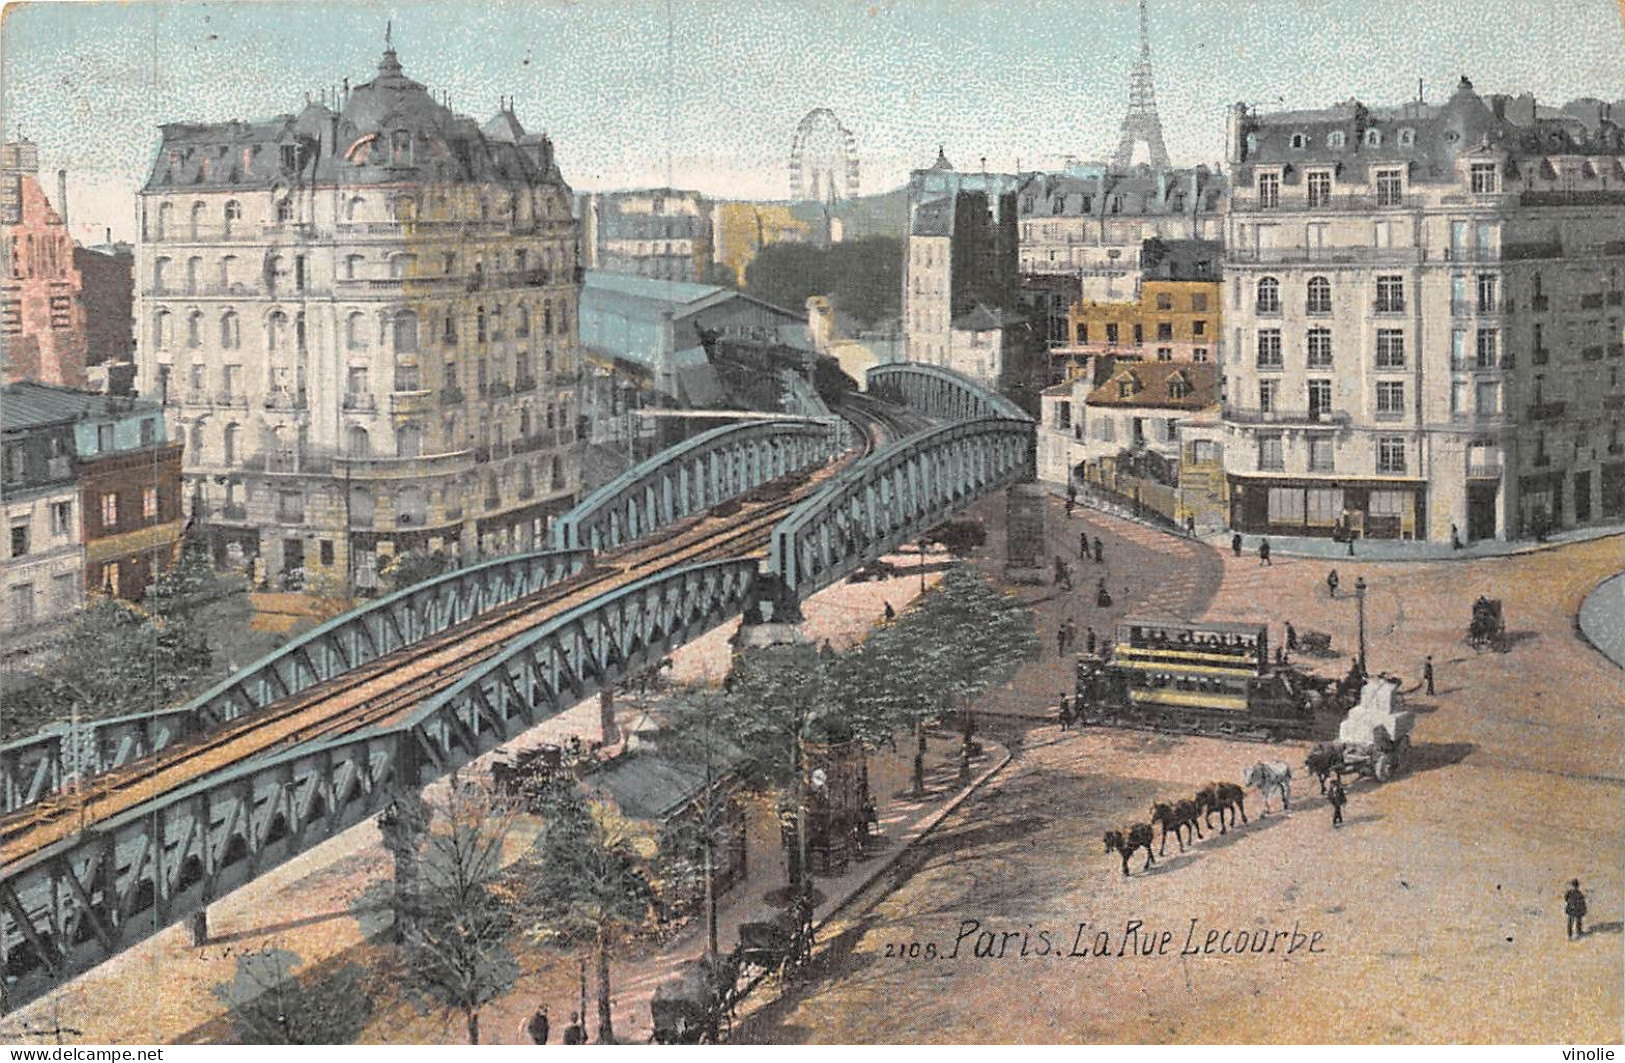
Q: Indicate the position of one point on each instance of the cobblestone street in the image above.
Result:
(1444, 887)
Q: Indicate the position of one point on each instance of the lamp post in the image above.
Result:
(1359, 601)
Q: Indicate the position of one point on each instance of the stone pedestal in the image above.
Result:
(1025, 544)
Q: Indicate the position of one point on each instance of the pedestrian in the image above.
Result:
(1071, 504)
(1338, 798)
(1235, 544)
(891, 614)
(1064, 713)
(1455, 538)
(1103, 597)
(1060, 640)
(1280, 656)
(1190, 526)
(1100, 552)
(536, 1026)
(1291, 637)
(1089, 640)
(1331, 584)
(1574, 904)
(573, 1033)
(1060, 570)
(1427, 674)
(1083, 546)
(1071, 495)
(1351, 542)
(1071, 627)
(1264, 552)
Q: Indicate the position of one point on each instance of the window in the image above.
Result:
(1335, 139)
(1390, 294)
(1269, 348)
(1489, 398)
(1390, 503)
(61, 518)
(19, 539)
(1269, 453)
(1318, 295)
(1063, 415)
(1198, 354)
(1325, 504)
(521, 327)
(1390, 398)
(1407, 137)
(1178, 388)
(230, 331)
(1286, 505)
(1320, 348)
(109, 505)
(1390, 188)
(1487, 285)
(1488, 346)
(1269, 295)
(1199, 302)
(290, 507)
(1320, 398)
(1269, 190)
(1165, 354)
(104, 432)
(1165, 301)
(1198, 328)
(233, 214)
(148, 431)
(1483, 177)
(1373, 138)
(406, 332)
(1390, 456)
(1458, 396)
(229, 444)
(1165, 330)
(149, 503)
(194, 329)
(1267, 390)
(284, 211)
(1111, 334)
(1321, 449)
(1320, 188)
(1299, 141)
(64, 592)
(1390, 348)
(22, 603)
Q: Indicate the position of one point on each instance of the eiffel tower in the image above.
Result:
(1141, 124)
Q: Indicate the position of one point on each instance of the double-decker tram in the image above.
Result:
(1204, 677)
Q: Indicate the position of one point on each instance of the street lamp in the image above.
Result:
(1359, 601)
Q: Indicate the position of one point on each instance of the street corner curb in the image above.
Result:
(929, 825)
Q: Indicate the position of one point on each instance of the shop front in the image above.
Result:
(1373, 509)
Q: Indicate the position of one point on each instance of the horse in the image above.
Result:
(1275, 775)
(1324, 760)
(1130, 838)
(1221, 797)
(1176, 815)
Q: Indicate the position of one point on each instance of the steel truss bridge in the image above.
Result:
(131, 824)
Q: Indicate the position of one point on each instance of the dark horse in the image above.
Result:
(1129, 839)
(1221, 797)
(1324, 760)
(1176, 816)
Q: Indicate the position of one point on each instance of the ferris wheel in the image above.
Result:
(823, 159)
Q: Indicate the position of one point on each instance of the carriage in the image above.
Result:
(1374, 741)
(524, 778)
(1204, 677)
(696, 1006)
(775, 945)
(1487, 628)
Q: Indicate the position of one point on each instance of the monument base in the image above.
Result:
(1026, 575)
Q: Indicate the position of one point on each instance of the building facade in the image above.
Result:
(130, 495)
(42, 317)
(43, 568)
(107, 291)
(741, 229)
(960, 281)
(1091, 222)
(362, 319)
(663, 233)
(1136, 409)
(1424, 306)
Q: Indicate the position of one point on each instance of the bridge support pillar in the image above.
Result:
(606, 715)
(404, 824)
(1025, 546)
(198, 925)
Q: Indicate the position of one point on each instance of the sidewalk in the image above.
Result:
(1601, 619)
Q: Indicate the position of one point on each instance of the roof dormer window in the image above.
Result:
(1335, 139)
(1299, 141)
(1177, 387)
(1373, 138)
(1407, 138)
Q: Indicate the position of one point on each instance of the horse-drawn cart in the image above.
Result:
(694, 1007)
(1375, 738)
(1488, 627)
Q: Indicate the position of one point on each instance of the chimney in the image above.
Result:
(62, 196)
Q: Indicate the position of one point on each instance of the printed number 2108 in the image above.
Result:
(911, 950)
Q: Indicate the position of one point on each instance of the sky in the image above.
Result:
(708, 93)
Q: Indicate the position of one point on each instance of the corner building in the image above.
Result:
(1424, 317)
(362, 322)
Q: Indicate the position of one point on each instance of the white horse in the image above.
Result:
(1276, 775)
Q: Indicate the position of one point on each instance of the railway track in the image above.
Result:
(393, 684)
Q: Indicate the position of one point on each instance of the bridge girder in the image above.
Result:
(940, 393)
(75, 904)
(690, 478)
(34, 768)
(893, 496)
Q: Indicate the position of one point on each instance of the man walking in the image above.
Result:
(1190, 526)
(536, 1026)
(1100, 552)
(1455, 538)
(1061, 639)
(1331, 584)
(1427, 674)
(1338, 798)
(1574, 904)
(1264, 553)
(1235, 544)
(1083, 546)
(1089, 640)
(573, 1033)
(1291, 638)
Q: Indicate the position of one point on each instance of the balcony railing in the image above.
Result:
(1245, 415)
(232, 512)
(1388, 306)
(1373, 256)
(1545, 411)
(360, 400)
(411, 402)
(1522, 252)
(1334, 203)
(232, 399)
(1484, 471)
(282, 399)
(524, 383)
(452, 397)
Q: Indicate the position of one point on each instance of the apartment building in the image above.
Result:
(1424, 318)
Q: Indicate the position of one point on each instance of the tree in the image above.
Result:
(592, 882)
(863, 278)
(268, 1006)
(454, 914)
(416, 566)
